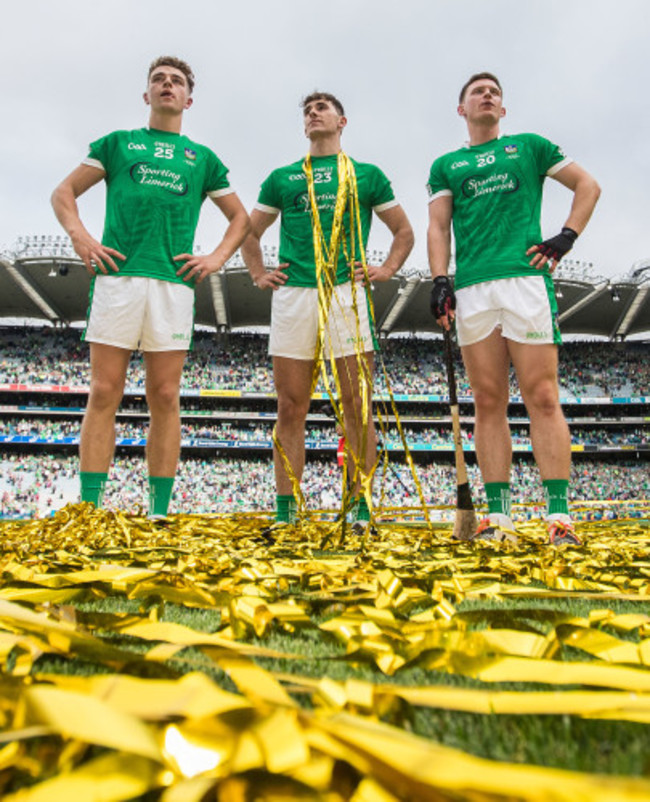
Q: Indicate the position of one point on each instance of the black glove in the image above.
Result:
(442, 297)
(556, 247)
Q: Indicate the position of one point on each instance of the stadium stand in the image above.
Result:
(228, 405)
(228, 409)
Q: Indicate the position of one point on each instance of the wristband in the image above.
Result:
(442, 299)
(556, 247)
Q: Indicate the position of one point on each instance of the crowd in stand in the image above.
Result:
(256, 432)
(39, 484)
(240, 362)
(33, 485)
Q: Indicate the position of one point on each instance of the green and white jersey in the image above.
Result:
(156, 182)
(497, 197)
(285, 191)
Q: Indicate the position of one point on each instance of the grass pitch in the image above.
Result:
(201, 659)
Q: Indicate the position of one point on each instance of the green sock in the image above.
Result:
(357, 510)
(285, 509)
(93, 485)
(498, 498)
(557, 496)
(363, 513)
(160, 494)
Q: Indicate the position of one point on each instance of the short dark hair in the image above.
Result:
(323, 96)
(478, 76)
(177, 63)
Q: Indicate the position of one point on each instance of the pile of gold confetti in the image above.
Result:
(136, 724)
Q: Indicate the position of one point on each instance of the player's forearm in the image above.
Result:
(438, 249)
(400, 248)
(66, 210)
(251, 251)
(585, 197)
(236, 233)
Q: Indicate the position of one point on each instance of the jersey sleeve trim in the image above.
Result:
(262, 207)
(557, 167)
(381, 207)
(94, 163)
(219, 193)
(442, 193)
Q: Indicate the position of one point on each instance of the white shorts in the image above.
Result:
(294, 323)
(136, 312)
(524, 308)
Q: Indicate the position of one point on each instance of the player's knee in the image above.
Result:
(292, 409)
(105, 394)
(163, 396)
(353, 410)
(543, 399)
(489, 399)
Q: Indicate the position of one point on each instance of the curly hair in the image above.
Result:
(177, 63)
(323, 96)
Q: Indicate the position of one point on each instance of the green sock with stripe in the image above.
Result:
(362, 513)
(160, 494)
(93, 485)
(498, 498)
(286, 509)
(557, 496)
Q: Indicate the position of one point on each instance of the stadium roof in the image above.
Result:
(41, 278)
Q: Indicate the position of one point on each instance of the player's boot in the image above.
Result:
(561, 531)
(358, 519)
(496, 527)
(159, 521)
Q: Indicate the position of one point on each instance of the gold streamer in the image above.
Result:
(466, 609)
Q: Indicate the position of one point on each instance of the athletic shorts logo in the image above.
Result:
(154, 176)
(536, 335)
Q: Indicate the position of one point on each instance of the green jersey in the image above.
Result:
(496, 189)
(156, 182)
(285, 191)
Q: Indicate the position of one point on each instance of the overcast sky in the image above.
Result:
(575, 71)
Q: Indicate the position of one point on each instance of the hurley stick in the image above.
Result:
(465, 518)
